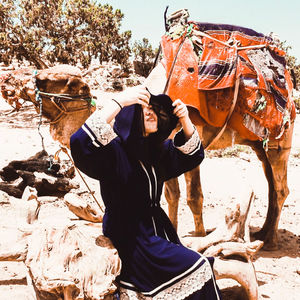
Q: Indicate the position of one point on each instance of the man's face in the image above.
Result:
(150, 120)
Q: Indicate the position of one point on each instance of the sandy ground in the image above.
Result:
(278, 272)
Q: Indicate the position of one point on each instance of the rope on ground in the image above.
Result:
(86, 184)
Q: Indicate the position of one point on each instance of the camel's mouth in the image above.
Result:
(10, 96)
(7, 93)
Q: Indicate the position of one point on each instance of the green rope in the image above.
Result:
(93, 102)
(262, 104)
(189, 30)
(39, 100)
(265, 142)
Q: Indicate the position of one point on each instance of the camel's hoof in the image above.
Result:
(259, 235)
(270, 246)
(197, 234)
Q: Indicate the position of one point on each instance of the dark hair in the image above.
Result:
(167, 121)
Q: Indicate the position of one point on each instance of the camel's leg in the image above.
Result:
(172, 194)
(274, 162)
(278, 162)
(278, 156)
(195, 199)
(71, 292)
(278, 159)
(261, 154)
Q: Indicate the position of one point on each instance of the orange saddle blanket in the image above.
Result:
(211, 58)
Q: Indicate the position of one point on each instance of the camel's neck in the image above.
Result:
(68, 124)
(157, 79)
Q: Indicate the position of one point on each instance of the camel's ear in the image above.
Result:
(74, 83)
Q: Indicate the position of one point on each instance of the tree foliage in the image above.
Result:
(143, 55)
(291, 62)
(143, 51)
(61, 31)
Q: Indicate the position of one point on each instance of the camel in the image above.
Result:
(220, 109)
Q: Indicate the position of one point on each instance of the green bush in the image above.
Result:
(297, 104)
(143, 57)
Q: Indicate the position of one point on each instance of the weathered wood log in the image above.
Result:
(39, 171)
(242, 272)
(232, 227)
(45, 185)
(60, 256)
(231, 241)
(245, 250)
(13, 189)
(13, 244)
(39, 162)
(82, 207)
(65, 261)
(17, 217)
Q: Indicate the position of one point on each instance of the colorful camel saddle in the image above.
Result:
(210, 60)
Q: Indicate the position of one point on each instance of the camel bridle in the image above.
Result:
(58, 101)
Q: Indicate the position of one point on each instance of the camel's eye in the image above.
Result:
(191, 70)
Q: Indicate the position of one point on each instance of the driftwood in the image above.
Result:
(72, 260)
(38, 171)
(230, 244)
(82, 207)
(66, 259)
(62, 255)
(17, 217)
(234, 227)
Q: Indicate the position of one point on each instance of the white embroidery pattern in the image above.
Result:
(132, 295)
(180, 290)
(192, 145)
(103, 131)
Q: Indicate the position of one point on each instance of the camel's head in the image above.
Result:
(26, 82)
(62, 79)
(60, 92)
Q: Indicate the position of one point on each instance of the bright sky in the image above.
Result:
(145, 18)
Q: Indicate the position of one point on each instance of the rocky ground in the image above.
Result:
(223, 174)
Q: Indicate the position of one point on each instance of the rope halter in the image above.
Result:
(58, 101)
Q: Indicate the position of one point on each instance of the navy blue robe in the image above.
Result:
(154, 262)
